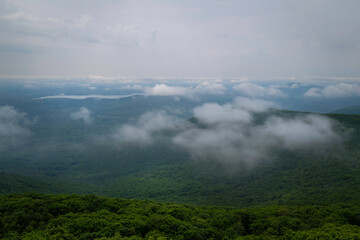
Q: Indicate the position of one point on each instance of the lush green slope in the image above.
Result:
(324, 177)
(162, 173)
(37, 216)
(14, 183)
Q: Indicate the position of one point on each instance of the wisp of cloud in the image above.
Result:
(232, 133)
(13, 126)
(83, 114)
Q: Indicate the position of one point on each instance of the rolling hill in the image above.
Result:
(165, 174)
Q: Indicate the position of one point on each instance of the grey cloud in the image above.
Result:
(83, 114)
(221, 38)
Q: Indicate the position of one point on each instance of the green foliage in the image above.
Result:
(39, 216)
(67, 161)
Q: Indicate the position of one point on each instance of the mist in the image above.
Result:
(13, 126)
(246, 131)
(83, 114)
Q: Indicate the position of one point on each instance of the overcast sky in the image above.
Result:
(227, 38)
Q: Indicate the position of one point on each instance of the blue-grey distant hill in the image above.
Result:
(349, 110)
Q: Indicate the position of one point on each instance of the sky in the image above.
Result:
(190, 38)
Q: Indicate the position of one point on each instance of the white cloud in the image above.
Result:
(241, 111)
(132, 134)
(335, 91)
(294, 85)
(213, 113)
(254, 105)
(341, 90)
(313, 92)
(230, 133)
(240, 142)
(83, 114)
(210, 88)
(148, 128)
(297, 133)
(254, 90)
(165, 90)
(188, 92)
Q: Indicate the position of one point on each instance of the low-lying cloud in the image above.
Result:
(149, 127)
(187, 92)
(165, 90)
(254, 90)
(13, 126)
(83, 114)
(334, 91)
(246, 131)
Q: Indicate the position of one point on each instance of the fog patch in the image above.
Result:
(213, 113)
(150, 127)
(254, 90)
(83, 114)
(13, 126)
(244, 132)
(232, 136)
(308, 131)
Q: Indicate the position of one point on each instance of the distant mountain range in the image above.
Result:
(349, 110)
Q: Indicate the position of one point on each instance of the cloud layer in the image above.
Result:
(202, 38)
(334, 91)
(233, 133)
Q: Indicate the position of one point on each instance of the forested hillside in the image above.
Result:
(38, 216)
(162, 173)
